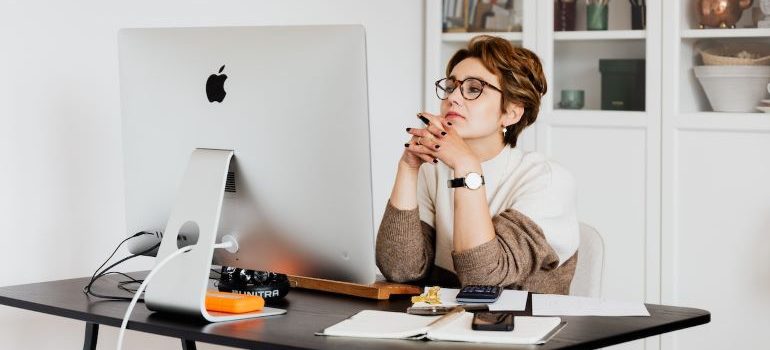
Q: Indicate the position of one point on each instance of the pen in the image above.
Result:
(447, 316)
(435, 310)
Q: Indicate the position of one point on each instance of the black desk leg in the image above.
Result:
(92, 334)
(188, 344)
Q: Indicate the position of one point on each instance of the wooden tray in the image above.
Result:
(380, 289)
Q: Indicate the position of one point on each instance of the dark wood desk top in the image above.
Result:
(309, 312)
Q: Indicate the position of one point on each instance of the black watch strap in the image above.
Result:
(458, 182)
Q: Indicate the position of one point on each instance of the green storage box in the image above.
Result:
(622, 84)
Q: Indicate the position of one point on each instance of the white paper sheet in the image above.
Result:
(510, 300)
(565, 305)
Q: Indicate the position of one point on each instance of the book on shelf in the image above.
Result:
(479, 16)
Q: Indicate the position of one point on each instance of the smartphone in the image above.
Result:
(492, 321)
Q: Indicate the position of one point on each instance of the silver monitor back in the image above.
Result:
(296, 115)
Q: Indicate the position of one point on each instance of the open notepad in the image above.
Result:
(397, 325)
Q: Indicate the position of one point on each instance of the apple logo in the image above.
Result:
(215, 86)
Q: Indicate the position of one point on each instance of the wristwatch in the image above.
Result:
(471, 181)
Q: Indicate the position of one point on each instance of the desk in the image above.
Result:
(309, 312)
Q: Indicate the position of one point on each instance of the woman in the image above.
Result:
(468, 207)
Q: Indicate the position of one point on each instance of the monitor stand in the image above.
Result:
(180, 286)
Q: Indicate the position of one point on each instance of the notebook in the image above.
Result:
(455, 327)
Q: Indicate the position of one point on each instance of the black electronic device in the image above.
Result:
(479, 294)
(492, 321)
(270, 286)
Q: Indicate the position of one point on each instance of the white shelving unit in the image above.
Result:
(725, 33)
(614, 155)
(678, 192)
(623, 119)
(713, 176)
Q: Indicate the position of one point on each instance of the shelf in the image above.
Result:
(599, 35)
(599, 118)
(726, 33)
(752, 122)
(465, 37)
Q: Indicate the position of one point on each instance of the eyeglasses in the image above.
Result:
(470, 88)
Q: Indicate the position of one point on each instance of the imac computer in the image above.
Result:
(260, 133)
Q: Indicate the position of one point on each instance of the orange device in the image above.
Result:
(233, 303)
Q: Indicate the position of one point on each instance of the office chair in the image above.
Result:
(587, 281)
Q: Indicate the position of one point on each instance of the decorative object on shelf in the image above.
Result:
(479, 11)
(572, 99)
(597, 12)
(720, 13)
(733, 88)
(764, 5)
(480, 16)
(742, 53)
(564, 14)
(638, 14)
(623, 84)
(500, 16)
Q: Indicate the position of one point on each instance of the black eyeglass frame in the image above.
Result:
(462, 93)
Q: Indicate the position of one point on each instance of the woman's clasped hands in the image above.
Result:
(437, 141)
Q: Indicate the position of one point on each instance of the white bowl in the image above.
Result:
(734, 88)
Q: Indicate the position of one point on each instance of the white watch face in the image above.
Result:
(473, 181)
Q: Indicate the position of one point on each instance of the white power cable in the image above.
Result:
(229, 244)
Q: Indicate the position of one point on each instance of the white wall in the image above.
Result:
(61, 177)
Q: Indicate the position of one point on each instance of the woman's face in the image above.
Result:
(481, 117)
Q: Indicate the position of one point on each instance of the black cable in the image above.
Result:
(131, 279)
(88, 291)
(87, 288)
(116, 250)
(128, 258)
(106, 271)
(122, 284)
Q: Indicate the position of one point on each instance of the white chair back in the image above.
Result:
(587, 281)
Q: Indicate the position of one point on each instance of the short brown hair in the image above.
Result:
(520, 74)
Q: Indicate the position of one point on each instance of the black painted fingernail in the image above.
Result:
(406, 145)
(435, 160)
(408, 129)
(425, 120)
(448, 123)
(443, 133)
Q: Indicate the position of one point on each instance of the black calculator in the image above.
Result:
(479, 294)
